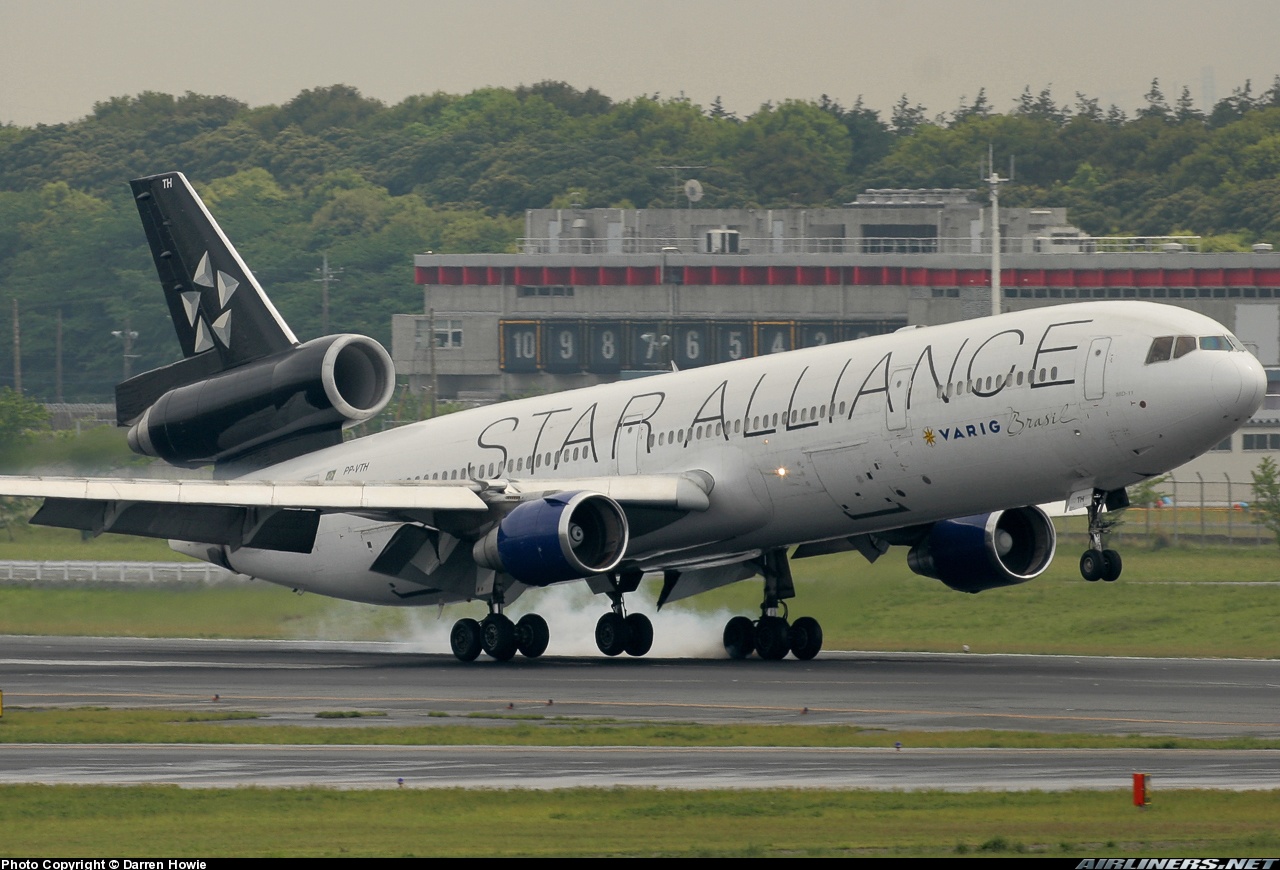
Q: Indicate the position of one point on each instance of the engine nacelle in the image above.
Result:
(987, 551)
(324, 384)
(566, 536)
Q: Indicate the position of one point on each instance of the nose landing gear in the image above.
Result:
(1098, 563)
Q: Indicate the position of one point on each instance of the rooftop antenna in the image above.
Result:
(675, 179)
(994, 181)
(692, 191)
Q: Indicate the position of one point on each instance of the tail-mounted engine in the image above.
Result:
(320, 386)
(986, 551)
(566, 536)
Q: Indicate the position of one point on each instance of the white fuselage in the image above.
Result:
(880, 433)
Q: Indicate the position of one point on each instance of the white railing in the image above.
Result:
(71, 573)
(874, 245)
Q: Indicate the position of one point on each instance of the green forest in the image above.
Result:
(369, 184)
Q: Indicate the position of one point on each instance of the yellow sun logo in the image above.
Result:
(928, 437)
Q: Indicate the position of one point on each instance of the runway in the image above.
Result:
(542, 767)
(289, 682)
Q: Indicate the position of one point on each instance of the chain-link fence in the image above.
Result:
(1200, 510)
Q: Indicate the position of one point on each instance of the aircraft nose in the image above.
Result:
(1239, 384)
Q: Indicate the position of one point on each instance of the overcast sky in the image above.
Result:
(59, 57)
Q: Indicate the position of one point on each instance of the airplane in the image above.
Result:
(943, 439)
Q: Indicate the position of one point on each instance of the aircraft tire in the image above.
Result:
(465, 640)
(805, 638)
(639, 634)
(772, 641)
(1113, 565)
(499, 637)
(739, 637)
(532, 635)
(611, 634)
(1092, 565)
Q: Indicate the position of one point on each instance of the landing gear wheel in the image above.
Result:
(1092, 565)
(1114, 565)
(805, 638)
(532, 635)
(772, 641)
(612, 634)
(465, 639)
(639, 634)
(498, 637)
(739, 637)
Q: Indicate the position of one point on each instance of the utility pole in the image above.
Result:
(326, 275)
(57, 360)
(431, 357)
(994, 181)
(128, 335)
(17, 350)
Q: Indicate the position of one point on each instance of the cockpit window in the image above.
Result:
(1161, 349)
(1166, 347)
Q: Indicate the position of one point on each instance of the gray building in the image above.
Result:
(600, 294)
(597, 293)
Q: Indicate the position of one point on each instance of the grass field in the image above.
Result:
(120, 726)
(165, 821)
(1172, 601)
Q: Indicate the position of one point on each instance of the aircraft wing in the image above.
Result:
(275, 515)
(250, 493)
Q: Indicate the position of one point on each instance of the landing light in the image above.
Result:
(781, 471)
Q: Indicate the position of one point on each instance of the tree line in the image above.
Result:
(334, 172)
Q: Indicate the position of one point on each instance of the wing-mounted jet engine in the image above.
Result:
(986, 551)
(565, 536)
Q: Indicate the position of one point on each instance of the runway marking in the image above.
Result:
(541, 705)
(137, 663)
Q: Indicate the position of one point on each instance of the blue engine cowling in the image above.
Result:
(566, 536)
(987, 551)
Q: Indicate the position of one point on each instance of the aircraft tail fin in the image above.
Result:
(246, 393)
(216, 304)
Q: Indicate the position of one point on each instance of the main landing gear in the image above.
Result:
(772, 636)
(1097, 563)
(498, 637)
(620, 632)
